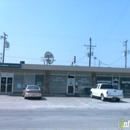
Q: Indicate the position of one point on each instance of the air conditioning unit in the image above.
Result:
(22, 62)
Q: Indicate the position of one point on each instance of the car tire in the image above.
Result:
(91, 95)
(40, 98)
(25, 97)
(102, 97)
(118, 100)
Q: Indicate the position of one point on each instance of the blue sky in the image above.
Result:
(63, 27)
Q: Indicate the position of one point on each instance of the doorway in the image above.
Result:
(116, 84)
(6, 84)
(71, 85)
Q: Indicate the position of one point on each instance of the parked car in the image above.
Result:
(32, 91)
(106, 91)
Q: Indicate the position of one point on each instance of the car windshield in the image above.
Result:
(33, 87)
(106, 86)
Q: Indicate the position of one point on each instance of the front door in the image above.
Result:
(6, 84)
(116, 84)
(71, 85)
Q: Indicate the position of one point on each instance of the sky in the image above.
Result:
(63, 27)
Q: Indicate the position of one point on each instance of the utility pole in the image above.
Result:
(126, 52)
(99, 63)
(90, 51)
(1, 57)
(4, 37)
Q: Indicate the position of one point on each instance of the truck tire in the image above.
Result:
(102, 97)
(25, 97)
(91, 95)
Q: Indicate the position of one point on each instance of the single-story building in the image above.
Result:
(58, 79)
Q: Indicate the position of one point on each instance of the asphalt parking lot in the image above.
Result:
(18, 102)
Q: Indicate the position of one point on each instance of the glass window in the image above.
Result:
(3, 80)
(125, 84)
(95, 86)
(106, 86)
(33, 87)
(9, 80)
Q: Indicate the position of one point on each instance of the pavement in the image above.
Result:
(18, 102)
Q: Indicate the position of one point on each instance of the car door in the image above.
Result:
(98, 90)
(94, 90)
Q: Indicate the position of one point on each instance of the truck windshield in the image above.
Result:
(106, 86)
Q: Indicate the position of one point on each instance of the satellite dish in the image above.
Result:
(49, 58)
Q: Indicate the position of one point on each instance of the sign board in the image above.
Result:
(9, 65)
(4, 74)
(19, 85)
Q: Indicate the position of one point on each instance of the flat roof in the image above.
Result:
(75, 68)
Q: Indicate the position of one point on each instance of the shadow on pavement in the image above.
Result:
(36, 99)
(111, 100)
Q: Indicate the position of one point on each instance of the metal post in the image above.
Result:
(125, 53)
(90, 54)
(4, 37)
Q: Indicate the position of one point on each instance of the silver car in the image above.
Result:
(32, 91)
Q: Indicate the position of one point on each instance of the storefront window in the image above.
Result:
(18, 82)
(39, 80)
(58, 83)
(29, 79)
(103, 79)
(125, 84)
(83, 84)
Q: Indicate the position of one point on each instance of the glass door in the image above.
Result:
(6, 84)
(3, 84)
(9, 84)
(71, 85)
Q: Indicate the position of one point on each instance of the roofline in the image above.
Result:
(75, 68)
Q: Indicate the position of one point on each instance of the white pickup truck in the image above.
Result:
(105, 91)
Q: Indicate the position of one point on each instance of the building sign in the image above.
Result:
(60, 79)
(83, 80)
(125, 82)
(9, 65)
(39, 83)
(5, 74)
(103, 81)
(19, 85)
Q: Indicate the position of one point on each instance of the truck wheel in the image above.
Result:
(102, 97)
(91, 95)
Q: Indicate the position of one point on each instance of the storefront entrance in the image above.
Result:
(6, 83)
(71, 85)
(116, 82)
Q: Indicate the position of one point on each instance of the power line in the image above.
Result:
(97, 18)
(23, 57)
(39, 58)
(110, 63)
(118, 20)
(68, 61)
(116, 61)
(81, 58)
